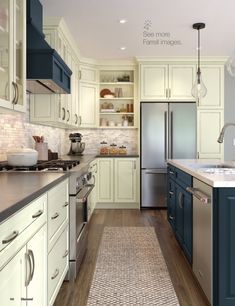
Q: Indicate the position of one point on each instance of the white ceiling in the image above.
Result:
(94, 24)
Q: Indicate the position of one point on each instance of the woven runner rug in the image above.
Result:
(131, 270)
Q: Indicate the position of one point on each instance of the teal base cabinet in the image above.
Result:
(224, 247)
(179, 208)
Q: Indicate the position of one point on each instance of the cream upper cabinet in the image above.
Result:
(166, 82)
(13, 54)
(213, 78)
(181, 79)
(88, 104)
(88, 74)
(209, 125)
(153, 82)
(53, 109)
(117, 183)
(88, 96)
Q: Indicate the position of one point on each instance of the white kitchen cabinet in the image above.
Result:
(88, 74)
(92, 198)
(57, 265)
(13, 55)
(23, 260)
(12, 277)
(88, 104)
(105, 180)
(24, 277)
(125, 180)
(161, 82)
(117, 183)
(209, 125)
(58, 238)
(118, 111)
(60, 110)
(213, 78)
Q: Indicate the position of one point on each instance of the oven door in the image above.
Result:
(81, 203)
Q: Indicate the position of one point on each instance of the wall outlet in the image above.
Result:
(233, 142)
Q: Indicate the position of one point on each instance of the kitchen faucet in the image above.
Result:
(221, 135)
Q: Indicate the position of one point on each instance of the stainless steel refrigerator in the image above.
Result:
(168, 130)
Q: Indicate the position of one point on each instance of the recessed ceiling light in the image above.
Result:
(122, 21)
(123, 48)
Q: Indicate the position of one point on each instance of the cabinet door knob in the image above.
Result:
(66, 204)
(171, 218)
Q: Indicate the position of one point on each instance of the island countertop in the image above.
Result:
(203, 170)
(20, 188)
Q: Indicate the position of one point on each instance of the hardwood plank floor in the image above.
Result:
(187, 289)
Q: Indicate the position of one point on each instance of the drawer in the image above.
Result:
(58, 260)
(179, 176)
(183, 177)
(12, 228)
(58, 208)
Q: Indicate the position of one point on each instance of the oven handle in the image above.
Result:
(84, 197)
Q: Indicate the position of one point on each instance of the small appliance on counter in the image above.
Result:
(77, 146)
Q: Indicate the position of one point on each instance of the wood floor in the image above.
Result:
(187, 289)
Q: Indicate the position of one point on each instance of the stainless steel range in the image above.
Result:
(79, 190)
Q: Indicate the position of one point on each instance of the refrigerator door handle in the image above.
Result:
(171, 118)
(165, 137)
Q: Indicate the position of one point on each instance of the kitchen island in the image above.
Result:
(201, 211)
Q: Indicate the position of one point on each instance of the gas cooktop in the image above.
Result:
(52, 165)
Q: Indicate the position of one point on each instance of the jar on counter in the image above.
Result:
(113, 150)
(104, 149)
(122, 150)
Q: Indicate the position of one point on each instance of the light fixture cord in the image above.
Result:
(198, 56)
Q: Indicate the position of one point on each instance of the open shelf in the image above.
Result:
(122, 98)
(115, 113)
(116, 83)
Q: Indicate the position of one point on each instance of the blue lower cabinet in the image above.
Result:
(224, 247)
(171, 203)
(180, 208)
(179, 222)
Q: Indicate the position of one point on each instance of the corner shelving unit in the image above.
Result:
(122, 105)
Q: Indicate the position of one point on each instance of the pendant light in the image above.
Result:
(199, 89)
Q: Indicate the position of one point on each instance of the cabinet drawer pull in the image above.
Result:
(10, 238)
(180, 200)
(31, 256)
(63, 116)
(76, 118)
(171, 218)
(37, 214)
(68, 112)
(57, 271)
(66, 254)
(171, 172)
(66, 204)
(27, 259)
(26, 299)
(56, 215)
(171, 192)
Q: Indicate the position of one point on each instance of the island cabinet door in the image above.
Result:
(171, 202)
(224, 247)
(179, 202)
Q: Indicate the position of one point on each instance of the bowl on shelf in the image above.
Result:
(109, 96)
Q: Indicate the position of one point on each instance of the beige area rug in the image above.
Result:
(131, 270)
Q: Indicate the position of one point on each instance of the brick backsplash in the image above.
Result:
(16, 131)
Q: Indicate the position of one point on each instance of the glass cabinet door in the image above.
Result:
(5, 52)
(19, 49)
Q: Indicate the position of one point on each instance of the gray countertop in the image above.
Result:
(87, 158)
(19, 189)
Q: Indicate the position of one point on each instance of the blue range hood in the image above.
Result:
(46, 70)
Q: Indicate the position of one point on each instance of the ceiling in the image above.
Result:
(96, 28)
